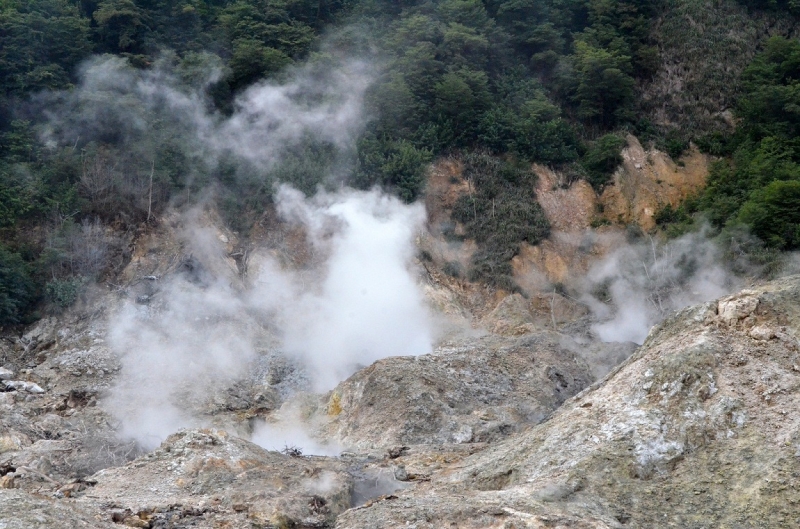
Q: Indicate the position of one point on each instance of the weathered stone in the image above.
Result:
(468, 391)
(13, 441)
(682, 434)
(736, 308)
(21, 510)
(22, 385)
(210, 471)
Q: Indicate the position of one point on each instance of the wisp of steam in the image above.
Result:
(203, 331)
(637, 285)
(360, 304)
(359, 300)
(368, 304)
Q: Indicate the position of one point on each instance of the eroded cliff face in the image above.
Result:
(585, 225)
(650, 180)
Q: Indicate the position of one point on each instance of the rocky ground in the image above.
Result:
(696, 429)
(399, 422)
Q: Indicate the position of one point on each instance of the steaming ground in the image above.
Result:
(637, 285)
(368, 304)
(356, 302)
(359, 303)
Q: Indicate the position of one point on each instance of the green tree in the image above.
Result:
(395, 165)
(17, 291)
(600, 87)
(766, 156)
(773, 214)
(602, 158)
(41, 42)
(252, 60)
(268, 23)
(122, 25)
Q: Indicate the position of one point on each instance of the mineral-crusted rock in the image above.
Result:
(482, 389)
(696, 429)
(21, 510)
(22, 385)
(210, 475)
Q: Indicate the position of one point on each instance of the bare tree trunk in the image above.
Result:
(150, 199)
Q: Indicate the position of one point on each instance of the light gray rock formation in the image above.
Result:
(473, 390)
(696, 429)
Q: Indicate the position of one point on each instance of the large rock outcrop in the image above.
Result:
(649, 180)
(697, 429)
(472, 390)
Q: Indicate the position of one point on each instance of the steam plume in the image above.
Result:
(360, 304)
(637, 285)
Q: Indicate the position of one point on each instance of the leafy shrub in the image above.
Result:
(678, 220)
(500, 213)
(64, 292)
(773, 214)
(600, 85)
(396, 165)
(747, 254)
(714, 143)
(252, 60)
(602, 158)
(675, 144)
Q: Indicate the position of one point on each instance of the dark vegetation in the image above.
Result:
(499, 82)
(500, 213)
(758, 184)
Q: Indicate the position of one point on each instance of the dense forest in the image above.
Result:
(501, 83)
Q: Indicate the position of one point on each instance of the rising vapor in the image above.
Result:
(360, 304)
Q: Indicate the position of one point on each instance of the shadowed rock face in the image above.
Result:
(696, 429)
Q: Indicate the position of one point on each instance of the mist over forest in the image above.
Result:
(115, 111)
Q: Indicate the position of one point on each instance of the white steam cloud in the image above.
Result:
(205, 327)
(637, 285)
(357, 300)
(368, 305)
(361, 303)
(136, 108)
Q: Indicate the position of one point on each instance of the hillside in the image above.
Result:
(116, 111)
(360, 263)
